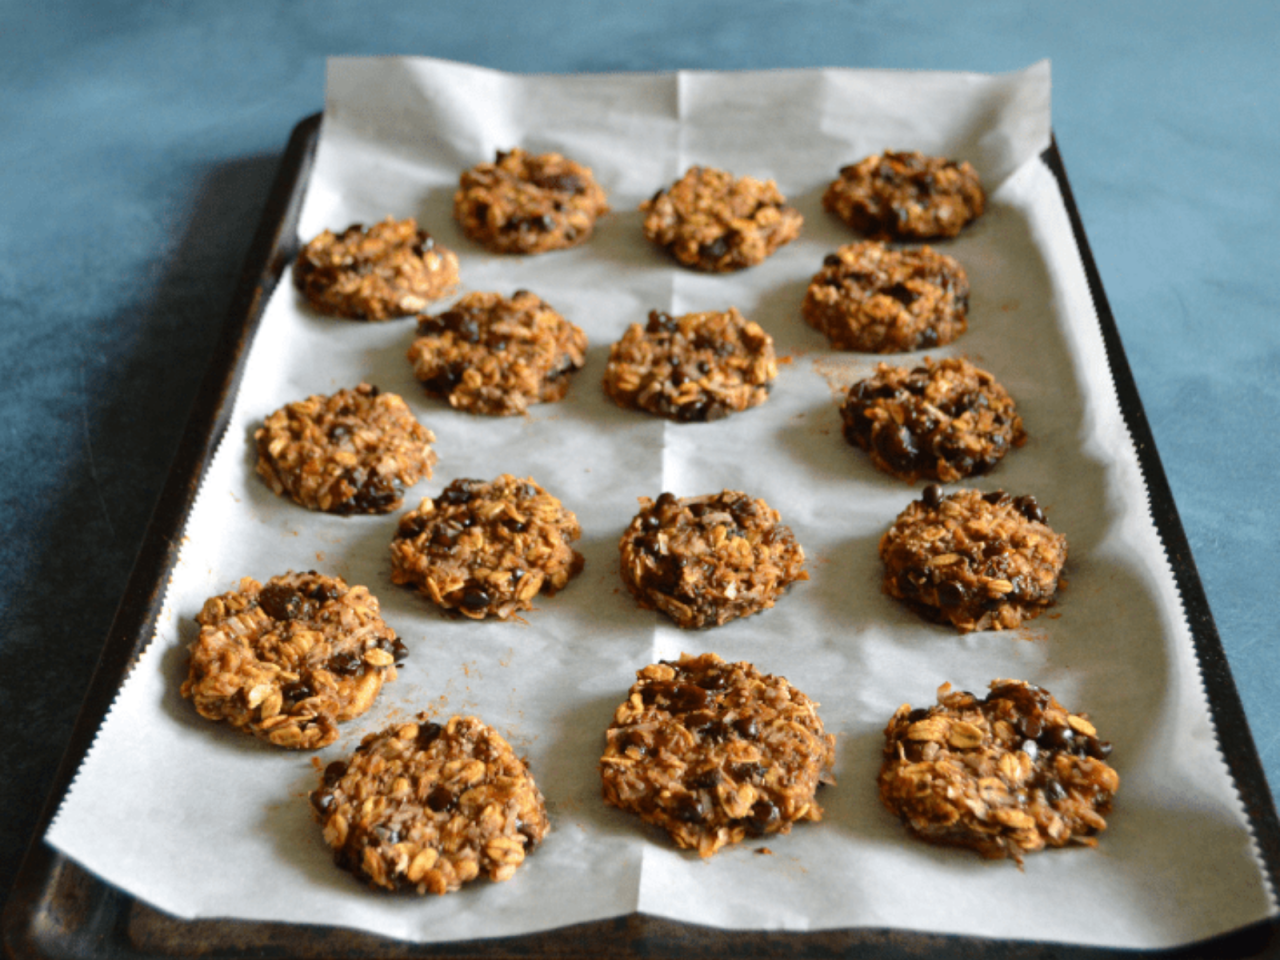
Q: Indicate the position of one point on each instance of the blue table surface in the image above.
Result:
(138, 142)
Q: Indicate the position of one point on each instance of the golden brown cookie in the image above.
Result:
(528, 203)
(430, 807)
(390, 269)
(943, 420)
(704, 561)
(289, 661)
(353, 452)
(701, 366)
(979, 561)
(497, 355)
(713, 752)
(874, 299)
(710, 220)
(487, 549)
(906, 196)
(1006, 775)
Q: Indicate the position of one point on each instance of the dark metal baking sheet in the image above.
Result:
(57, 910)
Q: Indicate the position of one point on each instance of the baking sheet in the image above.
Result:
(1118, 646)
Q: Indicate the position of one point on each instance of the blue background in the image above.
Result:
(138, 142)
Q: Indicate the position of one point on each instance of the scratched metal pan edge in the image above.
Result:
(58, 910)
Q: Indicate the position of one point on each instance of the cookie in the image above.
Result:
(710, 220)
(704, 561)
(528, 203)
(873, 299)
(487, 549)
(353, 452)
(430, 807)
(942, 421)
(701, 366)
(906, 196)
(714, 752)
(979, 561)
(495, 355)
(390, 269)
(289, 661)
(1006, 775)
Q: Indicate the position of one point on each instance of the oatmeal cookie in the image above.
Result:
(390, 269)
(704, 561)
(487, 549)
(943, 421)
(353, 452)
(1006, 775)
(870, 298)
(713, 752)
(289, 661)
(906, 196)
(430, 807)
(494, 355)
(701, 366)
(528, 203)
(979, 561)
(710, 220)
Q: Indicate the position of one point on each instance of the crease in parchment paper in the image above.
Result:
(201, 821)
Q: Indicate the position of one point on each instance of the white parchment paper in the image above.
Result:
(204, 822)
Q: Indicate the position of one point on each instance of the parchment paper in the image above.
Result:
(204, 822)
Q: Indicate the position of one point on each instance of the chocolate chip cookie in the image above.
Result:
(874, 299)
(496, 355)
(353, 452)
(714, 752)
(487, 549)
(942, 421)
(430, 807)
(289, 661)
(979, 561)
(697, 367)
(528, 203)
(906, 196)
(704, 561)
(1006, 775)
(711, 220)
(390, 269)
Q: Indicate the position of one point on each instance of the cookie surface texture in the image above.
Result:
(430, 807)
(528, 203)
(940, 421)
(874, 299)
(1005, 775)
(697, 367)
(496, 355)
(706, 560)
(378, 272)
(900, 195)
(714, 752)
(711, 220)
(353, 452)
(978, 561)
(289, 660)
(486, 549)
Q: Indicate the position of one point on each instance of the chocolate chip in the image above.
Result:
(932, 495)
(691, 808)
(283, 602)
(764, 814)
(951, 594)
(746, 728)
(1029, 508)
(344, 664)
(476, 598)
(428, 733)
(440, 798)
